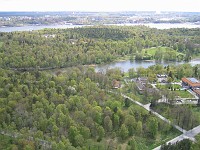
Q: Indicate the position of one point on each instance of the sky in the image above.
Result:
(100, 5)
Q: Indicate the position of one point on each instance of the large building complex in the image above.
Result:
(191, 83)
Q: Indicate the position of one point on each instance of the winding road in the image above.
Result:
(147, 107)
(186, 134)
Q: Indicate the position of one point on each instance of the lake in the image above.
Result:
(126, 65)
(31, 28)
(151, 25)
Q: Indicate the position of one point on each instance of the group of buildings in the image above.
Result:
(193, 84)
(142, 83)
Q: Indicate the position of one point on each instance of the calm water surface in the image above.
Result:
(126, 65)
(31, 28)
(151, 25)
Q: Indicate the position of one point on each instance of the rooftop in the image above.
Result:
(191, 81)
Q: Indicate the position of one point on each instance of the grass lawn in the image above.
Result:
(168, 86)
(176, 86)
(184, 94)
(153, 50)
(180, 93)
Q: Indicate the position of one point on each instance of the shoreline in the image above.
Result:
(56, 25)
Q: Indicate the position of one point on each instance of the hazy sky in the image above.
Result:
(100, 5)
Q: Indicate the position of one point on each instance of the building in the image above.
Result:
(140, 86)
(116, 84)
(141, 83)
(162, 78)
(191, 83)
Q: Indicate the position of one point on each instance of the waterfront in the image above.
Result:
(151, 25)
(126, 65)
(32, 28)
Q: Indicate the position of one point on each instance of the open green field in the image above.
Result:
(183, 94)
(178, 91)
(152, 51)
(162, 53)
(168, 86)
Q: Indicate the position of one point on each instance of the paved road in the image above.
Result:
(147, 107)
(187, 135)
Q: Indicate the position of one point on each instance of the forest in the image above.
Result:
(41, 108)
(58, 48)
(72, 110)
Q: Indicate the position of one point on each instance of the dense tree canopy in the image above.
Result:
(72, 109)
(93, 45)
(69, 109)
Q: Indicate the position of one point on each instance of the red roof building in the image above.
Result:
(192, 83)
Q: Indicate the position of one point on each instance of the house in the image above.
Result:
(116, 84)
(140, 86)
(191, 83)
(162, 78)
(141, 83)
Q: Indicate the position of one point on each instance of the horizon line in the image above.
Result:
(100, 11)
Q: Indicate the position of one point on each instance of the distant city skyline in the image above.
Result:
(100, 5)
